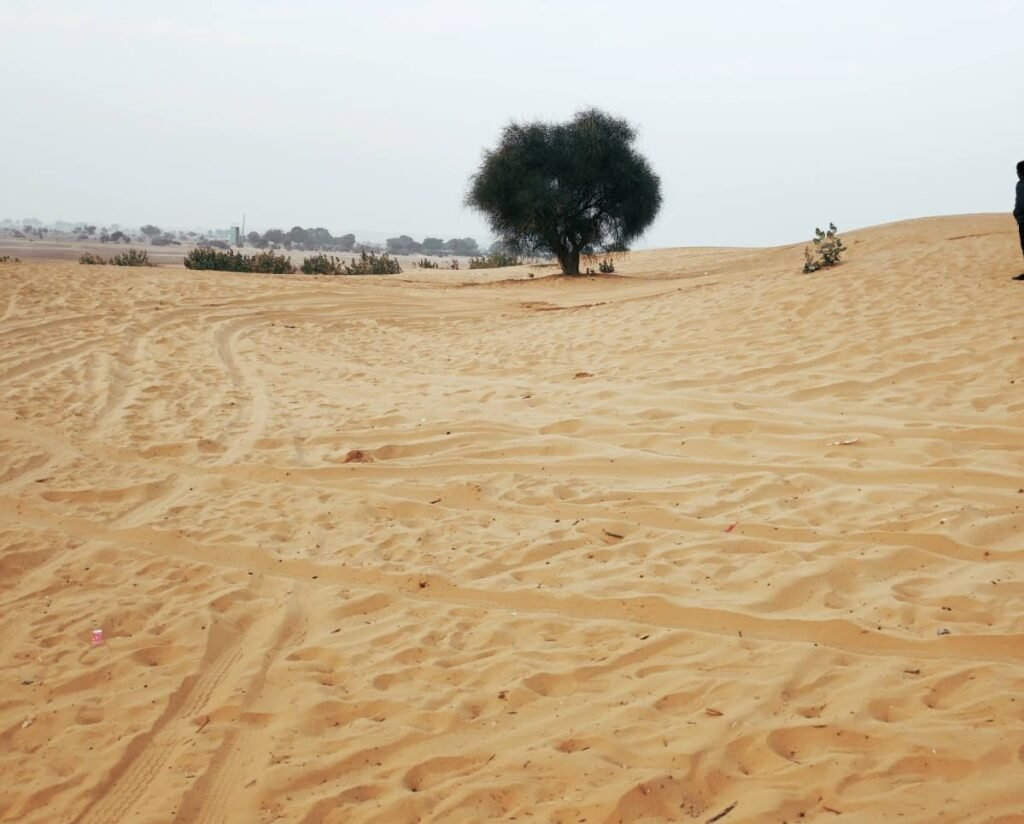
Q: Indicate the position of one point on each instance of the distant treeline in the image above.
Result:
(317, 239)
(320, 239)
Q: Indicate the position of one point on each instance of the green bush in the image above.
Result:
(827, 249)
(373, 264)
(606, 266)
(268, 263)
(9, 259)
(323, 265)
(495, 260)
(133, 257)
(89, 259)
(427, 263)
(205, 257)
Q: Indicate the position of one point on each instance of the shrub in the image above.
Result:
(427, 263)
(827, 249)
(370, 263)
(494, 260)
(205, 257)
(268, 263)
(133, 257)
(606, 266)
(323, 265)
(89, 259)
(9, 259)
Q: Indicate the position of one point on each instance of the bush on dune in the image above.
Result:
(827, 249)
(368, 263)
(133, 257)
(205, 257)
(322, 265)
(373, 264)
(495, 260)
(268, 263)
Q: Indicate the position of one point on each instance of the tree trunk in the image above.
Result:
(569, 260)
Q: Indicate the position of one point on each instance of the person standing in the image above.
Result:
(1018, 206)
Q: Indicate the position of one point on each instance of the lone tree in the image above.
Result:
(567, 189)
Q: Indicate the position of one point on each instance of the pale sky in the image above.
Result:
(763, 118)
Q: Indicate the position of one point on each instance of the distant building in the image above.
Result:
(235, 236)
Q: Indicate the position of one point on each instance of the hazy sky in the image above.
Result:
(763, 118)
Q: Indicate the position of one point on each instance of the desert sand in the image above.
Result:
(706, 540)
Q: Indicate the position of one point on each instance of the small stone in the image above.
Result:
(943, 631)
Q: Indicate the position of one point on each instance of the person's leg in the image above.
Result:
(1020, 227)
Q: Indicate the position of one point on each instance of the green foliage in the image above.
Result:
(567, 189)
(827, 248)
(427, 263)
(133, 257)
(373, 264)
(495, 260)
(322, 265)
(268, 263)
(366, 264)
(149, 230)
(89, 259)
(606, 266)
(205, 257)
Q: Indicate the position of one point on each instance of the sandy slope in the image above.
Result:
(413, 549)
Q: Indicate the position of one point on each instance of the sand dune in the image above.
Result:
(712, 538)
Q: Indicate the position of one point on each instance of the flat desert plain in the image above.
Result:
(705, 540)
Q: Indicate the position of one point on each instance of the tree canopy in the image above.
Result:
(567, 189)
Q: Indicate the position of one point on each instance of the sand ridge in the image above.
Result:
(708, 538)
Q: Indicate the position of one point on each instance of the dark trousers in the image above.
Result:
(1020, 228)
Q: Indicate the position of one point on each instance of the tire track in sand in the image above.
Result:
(126, 784)
(206, 802)
(252, 415)
(255, 411)
(126, 364)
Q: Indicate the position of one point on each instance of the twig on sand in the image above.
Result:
(722, 814)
